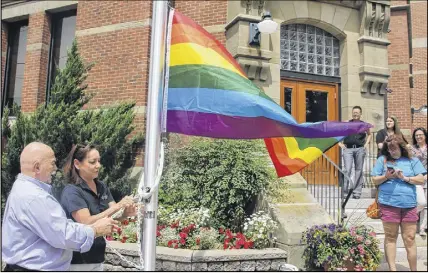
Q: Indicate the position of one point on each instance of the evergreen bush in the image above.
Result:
(61, 123)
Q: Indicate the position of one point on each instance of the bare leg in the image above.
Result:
(408, 232)
(391, 234)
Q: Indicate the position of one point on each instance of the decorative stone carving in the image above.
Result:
(376, 19)
(374, 72)
(255, 70)
(261, 6)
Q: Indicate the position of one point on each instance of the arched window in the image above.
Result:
(308, 49)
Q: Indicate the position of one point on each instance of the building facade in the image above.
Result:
(325, 57)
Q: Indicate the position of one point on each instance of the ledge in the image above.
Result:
(187, 255)
(169, 259)
(369, 39)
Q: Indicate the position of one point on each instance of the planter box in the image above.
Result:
(169, 259)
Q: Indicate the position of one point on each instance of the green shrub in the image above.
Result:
(224, 176)
(61, 124)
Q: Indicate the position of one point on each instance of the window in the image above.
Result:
(308, 49)
(15, 63)
(62, 35)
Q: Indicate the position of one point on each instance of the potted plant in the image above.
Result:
(336, 248)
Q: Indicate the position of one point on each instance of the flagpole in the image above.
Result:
(153, 124)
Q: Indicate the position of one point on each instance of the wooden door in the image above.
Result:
(313, 102)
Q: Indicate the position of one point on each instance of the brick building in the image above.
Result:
(407, 57)
(116, 36)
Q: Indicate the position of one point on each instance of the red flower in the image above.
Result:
(124, 239)
(225, 245)
(183, 235)
(175, 246)
(221, 230)
(125, 222)
(250, 244)
(175, 225)
(229, 234)
(182, 241)
(158, 233)
(169, 243)
(198, 241)
(109, 238)
(119, 231)
(246, 245)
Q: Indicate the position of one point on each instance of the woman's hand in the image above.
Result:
(126, 202)
(390, 174)
(130, 211)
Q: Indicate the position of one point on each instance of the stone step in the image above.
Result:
(420, 241)
(404, 266)
(361, 203)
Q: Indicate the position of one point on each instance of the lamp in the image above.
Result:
(267, 25)
(422, 110)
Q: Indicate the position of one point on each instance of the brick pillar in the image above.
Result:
(36, 62)
(4, 37)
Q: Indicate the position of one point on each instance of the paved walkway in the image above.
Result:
(422, 266)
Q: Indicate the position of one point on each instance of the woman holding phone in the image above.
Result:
(85, 199)
(396, 174)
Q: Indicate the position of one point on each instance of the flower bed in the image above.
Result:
(190, 229)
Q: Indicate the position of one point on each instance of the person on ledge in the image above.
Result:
(36, 235)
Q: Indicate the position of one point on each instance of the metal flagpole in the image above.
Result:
(153, 130)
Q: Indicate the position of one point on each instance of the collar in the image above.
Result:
(45, 186)
(82, 184)
(355, 120)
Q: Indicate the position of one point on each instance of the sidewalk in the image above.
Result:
(422, 266)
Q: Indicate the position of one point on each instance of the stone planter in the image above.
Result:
(169, 259)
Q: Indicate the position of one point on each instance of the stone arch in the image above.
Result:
(329, 17)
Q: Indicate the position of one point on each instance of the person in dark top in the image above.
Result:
(85, 199)
(354, 151)
(391, 128)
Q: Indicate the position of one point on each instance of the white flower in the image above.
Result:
(259, 236)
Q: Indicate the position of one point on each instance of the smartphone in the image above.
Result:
(391, 169)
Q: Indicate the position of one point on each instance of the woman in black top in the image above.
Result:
(391, 128)
(86, 199)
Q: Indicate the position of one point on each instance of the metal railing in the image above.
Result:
(325, 180)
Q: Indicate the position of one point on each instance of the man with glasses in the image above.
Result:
(354, 152)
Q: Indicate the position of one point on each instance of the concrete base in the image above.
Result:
(299, 213)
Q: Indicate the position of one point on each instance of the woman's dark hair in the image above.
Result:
(397, 130)
(392, 141)
(78, 152)
(414, 136)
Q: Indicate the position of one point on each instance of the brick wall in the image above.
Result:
(398, 54)
(419, 61)
(36, 62)
(121, 56)
(206, 13)
(3, 54)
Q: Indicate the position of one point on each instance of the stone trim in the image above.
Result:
(420, 72)
(168, 259)
(114, 27)
(215, 28)
(244, 18)
(419, 42)
(37, 47)
(26, 8)
(373, 40)
(394, 67)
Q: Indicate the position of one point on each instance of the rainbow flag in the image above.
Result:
(291, 154)
(209, 95)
